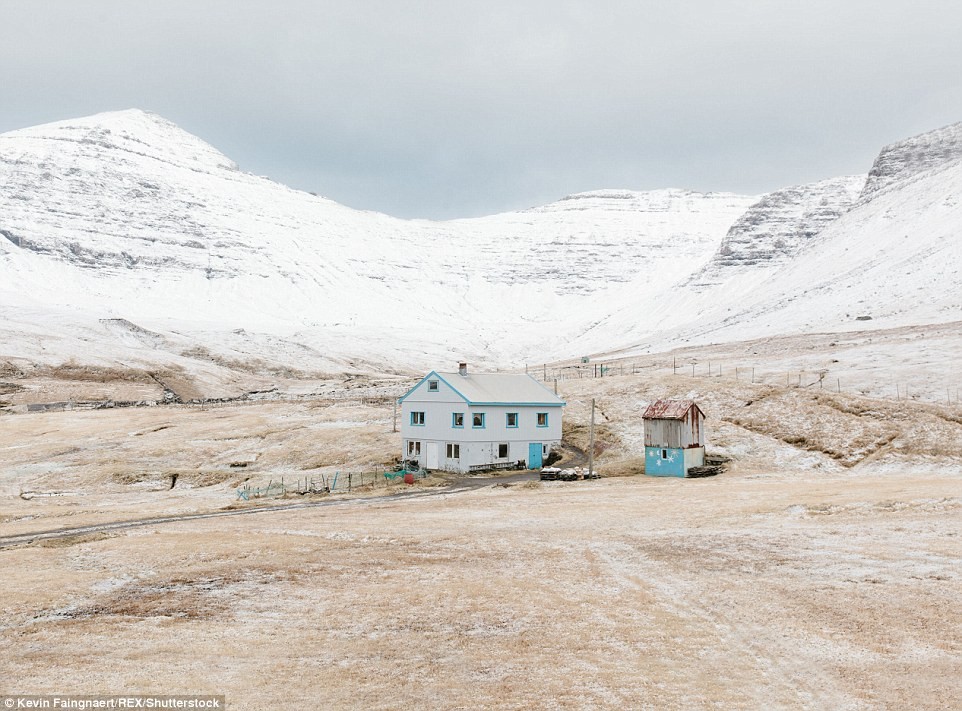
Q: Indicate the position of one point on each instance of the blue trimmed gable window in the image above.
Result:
(511, 419)
(457, 419)
(477, 420)
(417, 419)
(542, 419)
(432, 386)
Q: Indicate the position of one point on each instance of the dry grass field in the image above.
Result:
(821, 571)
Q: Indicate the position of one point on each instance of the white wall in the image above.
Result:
(478, 445)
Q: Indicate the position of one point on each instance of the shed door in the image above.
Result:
(432, 456)
(534, 455)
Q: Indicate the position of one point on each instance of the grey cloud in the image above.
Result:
(445, 109)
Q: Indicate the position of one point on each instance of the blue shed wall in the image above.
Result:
(674, 465)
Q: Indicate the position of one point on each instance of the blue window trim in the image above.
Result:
(537, 415)
(507, 422)
(483, 421)
(423, 418)
(454, 423)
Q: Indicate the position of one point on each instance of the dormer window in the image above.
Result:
(432, 386)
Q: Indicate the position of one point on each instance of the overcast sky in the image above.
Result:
(449, 109)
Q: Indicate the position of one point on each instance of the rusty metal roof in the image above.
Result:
(669, 409)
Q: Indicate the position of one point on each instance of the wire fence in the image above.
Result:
(820, 378)
(337, 483)
(326, 399)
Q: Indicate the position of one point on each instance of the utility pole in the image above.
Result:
(394, 427)
(591, 440)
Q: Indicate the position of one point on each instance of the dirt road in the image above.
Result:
(459, 485)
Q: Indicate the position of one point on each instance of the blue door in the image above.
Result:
(534, 455)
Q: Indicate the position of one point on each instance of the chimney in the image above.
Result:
(462, 368)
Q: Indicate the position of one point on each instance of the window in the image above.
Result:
(544, 450)
(542, 419)
(477, 420)
(454, 451)
(417, 419)
(502, 451)
(457, 419)
(664, 454)
(414, 448)
(512, 419)
(433, 386)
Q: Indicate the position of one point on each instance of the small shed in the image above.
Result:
(674, 437)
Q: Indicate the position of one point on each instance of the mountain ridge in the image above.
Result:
(196, 250)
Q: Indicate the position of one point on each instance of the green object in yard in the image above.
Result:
(408, 467)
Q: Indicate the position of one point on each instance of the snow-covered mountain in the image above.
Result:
(127, 241)
(903, 160)
(888, 256)
(776, 229)
(125, 216)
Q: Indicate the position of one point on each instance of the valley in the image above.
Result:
(129, 243)
(176, 333)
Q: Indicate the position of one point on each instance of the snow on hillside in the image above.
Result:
(892, 260)
(903, 160)
(781, 223)
(896, 259)
(771, 233)
(125, 216)
(125, 241)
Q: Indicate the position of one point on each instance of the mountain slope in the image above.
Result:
(125, 216)
(775, 230)
(903, 160)
(127, 242)
(893, 259)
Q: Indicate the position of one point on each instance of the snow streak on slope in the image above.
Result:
(125, 216)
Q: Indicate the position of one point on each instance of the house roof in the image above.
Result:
(496, 389)
(669, 409)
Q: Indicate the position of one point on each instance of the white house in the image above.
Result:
(461, 422)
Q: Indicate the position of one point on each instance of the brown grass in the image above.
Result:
(631, 466)
(788, 592)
